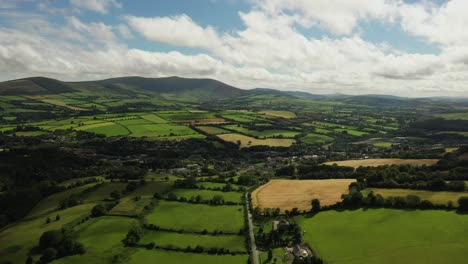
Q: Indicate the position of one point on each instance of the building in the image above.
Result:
(280, 225)
(300, 252)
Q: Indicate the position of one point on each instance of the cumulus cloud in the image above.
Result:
(444, 25)
(337, 16)
(177, 30)
(269, 50)
(100, 6)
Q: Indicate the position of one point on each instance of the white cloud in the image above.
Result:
(178, 30)
(95, 32)
(445, 25)
(337, 16)
(100, 6)
(124, 31)
(268, 51)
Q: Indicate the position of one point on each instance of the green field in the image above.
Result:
(160, 130)
(17, 240)
(454, 116)
(313, 138)
(161, 238)
(108, 129)
(213, 130)
(207, 194)
(52, 202)
(102, 239)
(387, 236)
(197, 217)
(160, 256)
(351, 132)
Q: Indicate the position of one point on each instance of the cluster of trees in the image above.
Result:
(55, 244)
(215, 200)
(181, 231)
(102, 209)
(258, 213)
(306, 171)
(281, 237)
(356, 199)
(197, 249)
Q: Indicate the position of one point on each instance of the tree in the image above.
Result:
(98, 210)
(50, 239)
(48, 255)
(29, 260)
(217, 199)
(48, 220)
(270, 255)
(57, 218)
(463, 203)
(115, 194)
(315, 205)
(133, 236)
(413, 201)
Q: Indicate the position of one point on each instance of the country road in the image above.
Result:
(251, 232)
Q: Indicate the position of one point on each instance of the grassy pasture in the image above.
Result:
(52, 202)
(216, 185)
(154, 119)
(312, 138)
(108, 129)
(287, 194)
(387, 236)
(279, 113)
(243, 117)
(197, 217)
(383, 144)
(434, 197)
(381, 162)
(250, 141)
(102, 239)
(351, 132)
(213, 130)
(160, 130)
(17, 240)
(104, 191)
(231, 242)
(454, 116)
(160, 256)
(186, 116)
(207, 194)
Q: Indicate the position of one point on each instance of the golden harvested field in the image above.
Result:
(287, 194)
(55, 102)
(434, 197)
(278, 113)
(380, 162)
(250, 141)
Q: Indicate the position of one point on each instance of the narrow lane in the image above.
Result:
(251, 232)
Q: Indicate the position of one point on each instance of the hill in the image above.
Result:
(34, 86)
(175, 86)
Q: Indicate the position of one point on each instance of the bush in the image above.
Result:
(50, 239)
(463, 204)
(98, 210)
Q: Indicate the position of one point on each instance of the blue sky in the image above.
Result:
(409, 48)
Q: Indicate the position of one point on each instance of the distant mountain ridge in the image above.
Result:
(191, 88)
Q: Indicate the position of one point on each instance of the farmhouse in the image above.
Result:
(279, 225)
(300, 252)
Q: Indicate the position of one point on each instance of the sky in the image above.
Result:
(415, 48)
